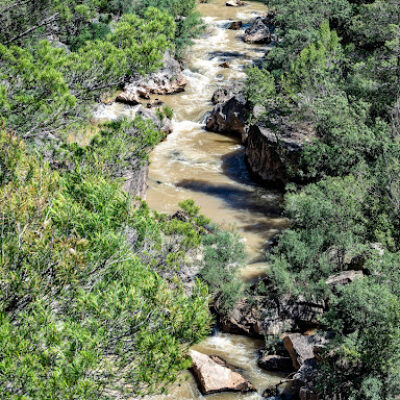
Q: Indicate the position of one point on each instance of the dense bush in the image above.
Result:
(81, 313)
(335, 69)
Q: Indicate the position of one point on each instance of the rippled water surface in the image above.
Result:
(207, 167)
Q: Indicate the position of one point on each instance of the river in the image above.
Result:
(210, 169)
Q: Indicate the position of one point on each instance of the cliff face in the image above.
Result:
(271, 156)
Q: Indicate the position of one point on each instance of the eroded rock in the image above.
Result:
(213, 375)
(168, 80)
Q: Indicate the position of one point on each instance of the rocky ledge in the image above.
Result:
(168, 80)
(214, 375)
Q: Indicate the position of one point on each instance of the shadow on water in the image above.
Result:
(238, 198)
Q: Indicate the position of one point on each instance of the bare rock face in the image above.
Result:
(136, 181)
(258, 32)
(343, 278)
(301, 348)
(168, 80)
(214, 375)
(163, 124)
(230, 118)
(271, 155)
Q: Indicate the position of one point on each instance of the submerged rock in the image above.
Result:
(258, 32)
(213, 375)
(235, 25)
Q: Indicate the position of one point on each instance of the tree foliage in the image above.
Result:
(335, 69)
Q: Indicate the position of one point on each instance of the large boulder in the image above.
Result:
(225, 93)
(230, 117)
(168, 80)
(264, 316)
(271, 155)
(258, 32)
(301, 348)
(213, 375)
(275, 362)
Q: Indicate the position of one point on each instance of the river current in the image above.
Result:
(210, 169)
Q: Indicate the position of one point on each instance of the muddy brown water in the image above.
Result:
(209, 168)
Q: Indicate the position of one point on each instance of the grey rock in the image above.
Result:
(274, 362)
(214, 375)
(230, 118)
(258, 32)
(270, 155)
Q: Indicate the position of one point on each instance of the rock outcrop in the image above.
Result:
(223, 94)
(343, 278)
(300, 347)
(136, 181)
(168, 80)
(213, 375)
(264, 316)
(258, 32)
(230, 117)
(270, 155)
